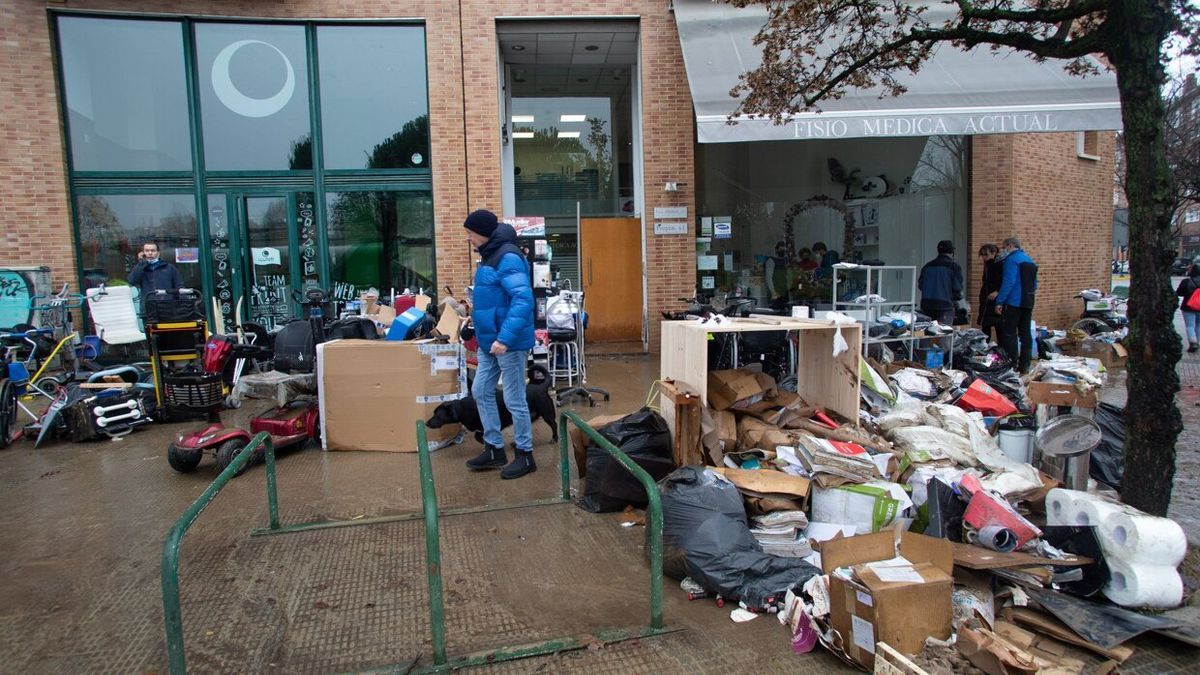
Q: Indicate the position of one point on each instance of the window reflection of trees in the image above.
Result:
(109, 245)
(381, 239)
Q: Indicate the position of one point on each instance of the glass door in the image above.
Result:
(268, 254)
(264, 246)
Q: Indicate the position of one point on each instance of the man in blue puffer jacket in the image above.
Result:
(503, 317)
(1014, 304)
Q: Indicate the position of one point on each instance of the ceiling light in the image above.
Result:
(522, 134)
(572, 118)
(518, 48)
(522, 119)
(568, 134)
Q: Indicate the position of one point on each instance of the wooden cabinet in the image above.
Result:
(822, 379)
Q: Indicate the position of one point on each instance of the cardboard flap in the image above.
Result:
(728, 388)
(928, 572)
(766, 481)
(863, 548)
(920, 548)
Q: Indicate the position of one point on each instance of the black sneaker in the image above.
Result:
(522, 464)
(1193, 348)
(490, 458)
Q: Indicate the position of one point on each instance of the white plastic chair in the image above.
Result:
(114, 314)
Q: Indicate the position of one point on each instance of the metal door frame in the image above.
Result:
(241, 265)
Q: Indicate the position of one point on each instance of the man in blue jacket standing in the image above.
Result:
(503, 317)
(1014, 304)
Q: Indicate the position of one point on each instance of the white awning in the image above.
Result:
(955, 92)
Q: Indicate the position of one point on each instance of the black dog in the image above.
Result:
(464, 412)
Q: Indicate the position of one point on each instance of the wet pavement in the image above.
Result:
(82, 525)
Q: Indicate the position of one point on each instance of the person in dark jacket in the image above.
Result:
(827, 260)
(152, 273)
(941, 284)
(1014, 304)
(778, 276)
(503, 318)
(1191, 317)
(993, 274)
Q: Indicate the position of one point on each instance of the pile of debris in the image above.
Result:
(924, 521)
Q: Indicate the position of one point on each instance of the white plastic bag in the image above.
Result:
(839, 341)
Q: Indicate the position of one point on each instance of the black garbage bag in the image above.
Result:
(706, 537)
(1080, 541)
(1047, 348)
(1108, 459)
(609, 486)
(968, 343)
(1000, 377)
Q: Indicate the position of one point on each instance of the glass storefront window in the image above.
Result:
(112, 229)
(572, 136)
(380, 240)
(254, 97)
(374, 105)
(871, 200)
(126, 95)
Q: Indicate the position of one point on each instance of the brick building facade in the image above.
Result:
(1035, 186)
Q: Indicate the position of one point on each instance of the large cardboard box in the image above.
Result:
(1050, 393)
(1111, 355)
(867, 609)
(372, 392)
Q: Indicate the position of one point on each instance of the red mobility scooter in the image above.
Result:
(288, 425)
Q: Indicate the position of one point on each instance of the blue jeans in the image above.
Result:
(512, 365)
(1191, 322)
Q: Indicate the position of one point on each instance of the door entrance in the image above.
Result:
(610, 256)
(267, 250)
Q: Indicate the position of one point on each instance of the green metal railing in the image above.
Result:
(172, 614)
(437, 619)
(173, 617)
(564, 495)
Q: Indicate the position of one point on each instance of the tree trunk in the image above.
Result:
(1151, 417)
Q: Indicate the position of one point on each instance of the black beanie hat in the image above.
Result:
(481, 222)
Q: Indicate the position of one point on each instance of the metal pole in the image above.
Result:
(272, 497)
(653, 510)
(169, 571)
(433, 550)
(564, 443)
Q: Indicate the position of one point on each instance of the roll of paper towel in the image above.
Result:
(1091, 511)
(1141, 585)
(1141, 538)
(1059, 507)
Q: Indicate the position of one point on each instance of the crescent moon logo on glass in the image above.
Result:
(238, 102)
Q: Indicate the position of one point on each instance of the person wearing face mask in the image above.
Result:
(152, 273)
(778, 276)
(993, 274)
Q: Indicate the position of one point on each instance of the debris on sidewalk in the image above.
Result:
(939, 512)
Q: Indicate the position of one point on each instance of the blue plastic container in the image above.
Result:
(403, 324)
(934, 357)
